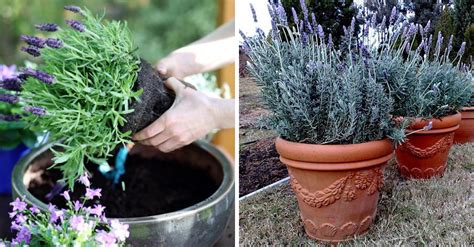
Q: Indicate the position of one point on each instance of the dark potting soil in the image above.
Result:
(259, 166)
(152, 187)
(154, 101)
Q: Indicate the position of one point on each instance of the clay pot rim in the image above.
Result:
(328, 156)
(468, 108)
(440, 125)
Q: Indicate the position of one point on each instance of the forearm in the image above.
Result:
(224, 113)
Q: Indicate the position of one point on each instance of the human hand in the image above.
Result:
(178, 64)
(192, 115)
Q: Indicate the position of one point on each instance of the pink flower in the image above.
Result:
(91, 193)
(105, 238)
(66, 196)
(18, 205)
(85, 180)
(119, 230)
(35, 210)
(77, 205)
(77, 223)
(97, 210)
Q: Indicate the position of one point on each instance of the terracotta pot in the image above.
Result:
(465, 133)
(337, 186)
(424, 153)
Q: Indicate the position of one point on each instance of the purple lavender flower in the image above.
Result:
(282, 14)
(429, 44)
(330, 42)
(450, 44)
(254, 14)
(304, 9)
(412, 31)
(320, 32)
(393, 15)
(313, 21)
(439, 43)
(353, 25)
(18, 205)
(54, 43)
(32, 50)
(427, 27)
(91, 193)
(73, 8)
(10, 117)
(12, 84)
(48, 27)
(33, 41)
(38, 111)
(84, 179)
(295, 16)
(40, 75)
(462, 49)
(366, 29)
(260, 32)
(420, 47)
(8, 98)
(76, 25)
(364, 51)
(383, 24)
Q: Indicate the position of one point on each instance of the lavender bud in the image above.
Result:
(254, 14)
(393, 15)
(353, 25)
(38, 111)
(260, 32)
(54, 43)
(462, 49)
(330, 42)
(439, 43)
(12, 84)
(320, 32)
(295, 16)
(40, 75)
(10, 117)
(346, 33)
(33, 41)
(8, 98)
(76, 25)
(305, 9)
(420, 47)
(301, 26)
(282, 15)
(73, 8)
(450, 44)
(32, 50)
(429, 44)
(427, 27)
(373, 21)
(364, 51)
(313, 21)
(48, 27)
(412, 31)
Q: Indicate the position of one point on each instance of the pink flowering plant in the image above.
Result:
(78, 225)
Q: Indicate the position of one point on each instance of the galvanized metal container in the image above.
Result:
(199, 225)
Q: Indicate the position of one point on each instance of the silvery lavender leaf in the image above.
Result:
(54, 43)
(32, 50)
(9, 98)
(33, 41)
(76, 25)
(393, 15)
(254, 14)
(38, 111)
(10, 117)
(73, 8)
(48, 27)
(12, 84)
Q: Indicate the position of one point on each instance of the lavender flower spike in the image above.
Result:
(295, 16)
(353, 25)
(8, 98)
(304, 8)
(54, 43)
(48, 27)
(320, 32)
(38, 111)
(10, 117)
(393, 15)
(32, 50)
(254, 14)
(73, 8)
(462, 49)
(427, 27)
(33, 41)
(450, 44)
(12, 84)
(330, 42)
(76, 25)
(40, 75)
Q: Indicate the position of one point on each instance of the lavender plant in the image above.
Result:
(83, 90)
(318, 94)
(78, 225)
(422, 80)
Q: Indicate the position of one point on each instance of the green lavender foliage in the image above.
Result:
(317, 95)
(423, 81)
(94, 75)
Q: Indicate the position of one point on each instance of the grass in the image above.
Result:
(435, 212)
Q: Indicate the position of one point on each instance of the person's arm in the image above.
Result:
(191, 117)
(206, 54)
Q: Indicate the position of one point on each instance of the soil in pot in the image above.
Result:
(465, 133)
(259, 166)
(152, 187)
(424, 154)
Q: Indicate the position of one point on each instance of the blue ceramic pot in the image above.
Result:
(8, 159)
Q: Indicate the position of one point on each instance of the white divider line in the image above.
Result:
(241, 199)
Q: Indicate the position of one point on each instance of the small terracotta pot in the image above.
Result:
(337, 186)
(465, 133)
(424, 153)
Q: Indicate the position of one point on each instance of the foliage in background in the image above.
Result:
(158, 26)
(317, 94)
(80, 224)
(331, 15)
(85, 93)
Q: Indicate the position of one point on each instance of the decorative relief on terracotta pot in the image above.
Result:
(365, 224)
(345, 187)
(417, 172)
(310, 226)
(440, 146)
(349, 228)
(328, 230)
